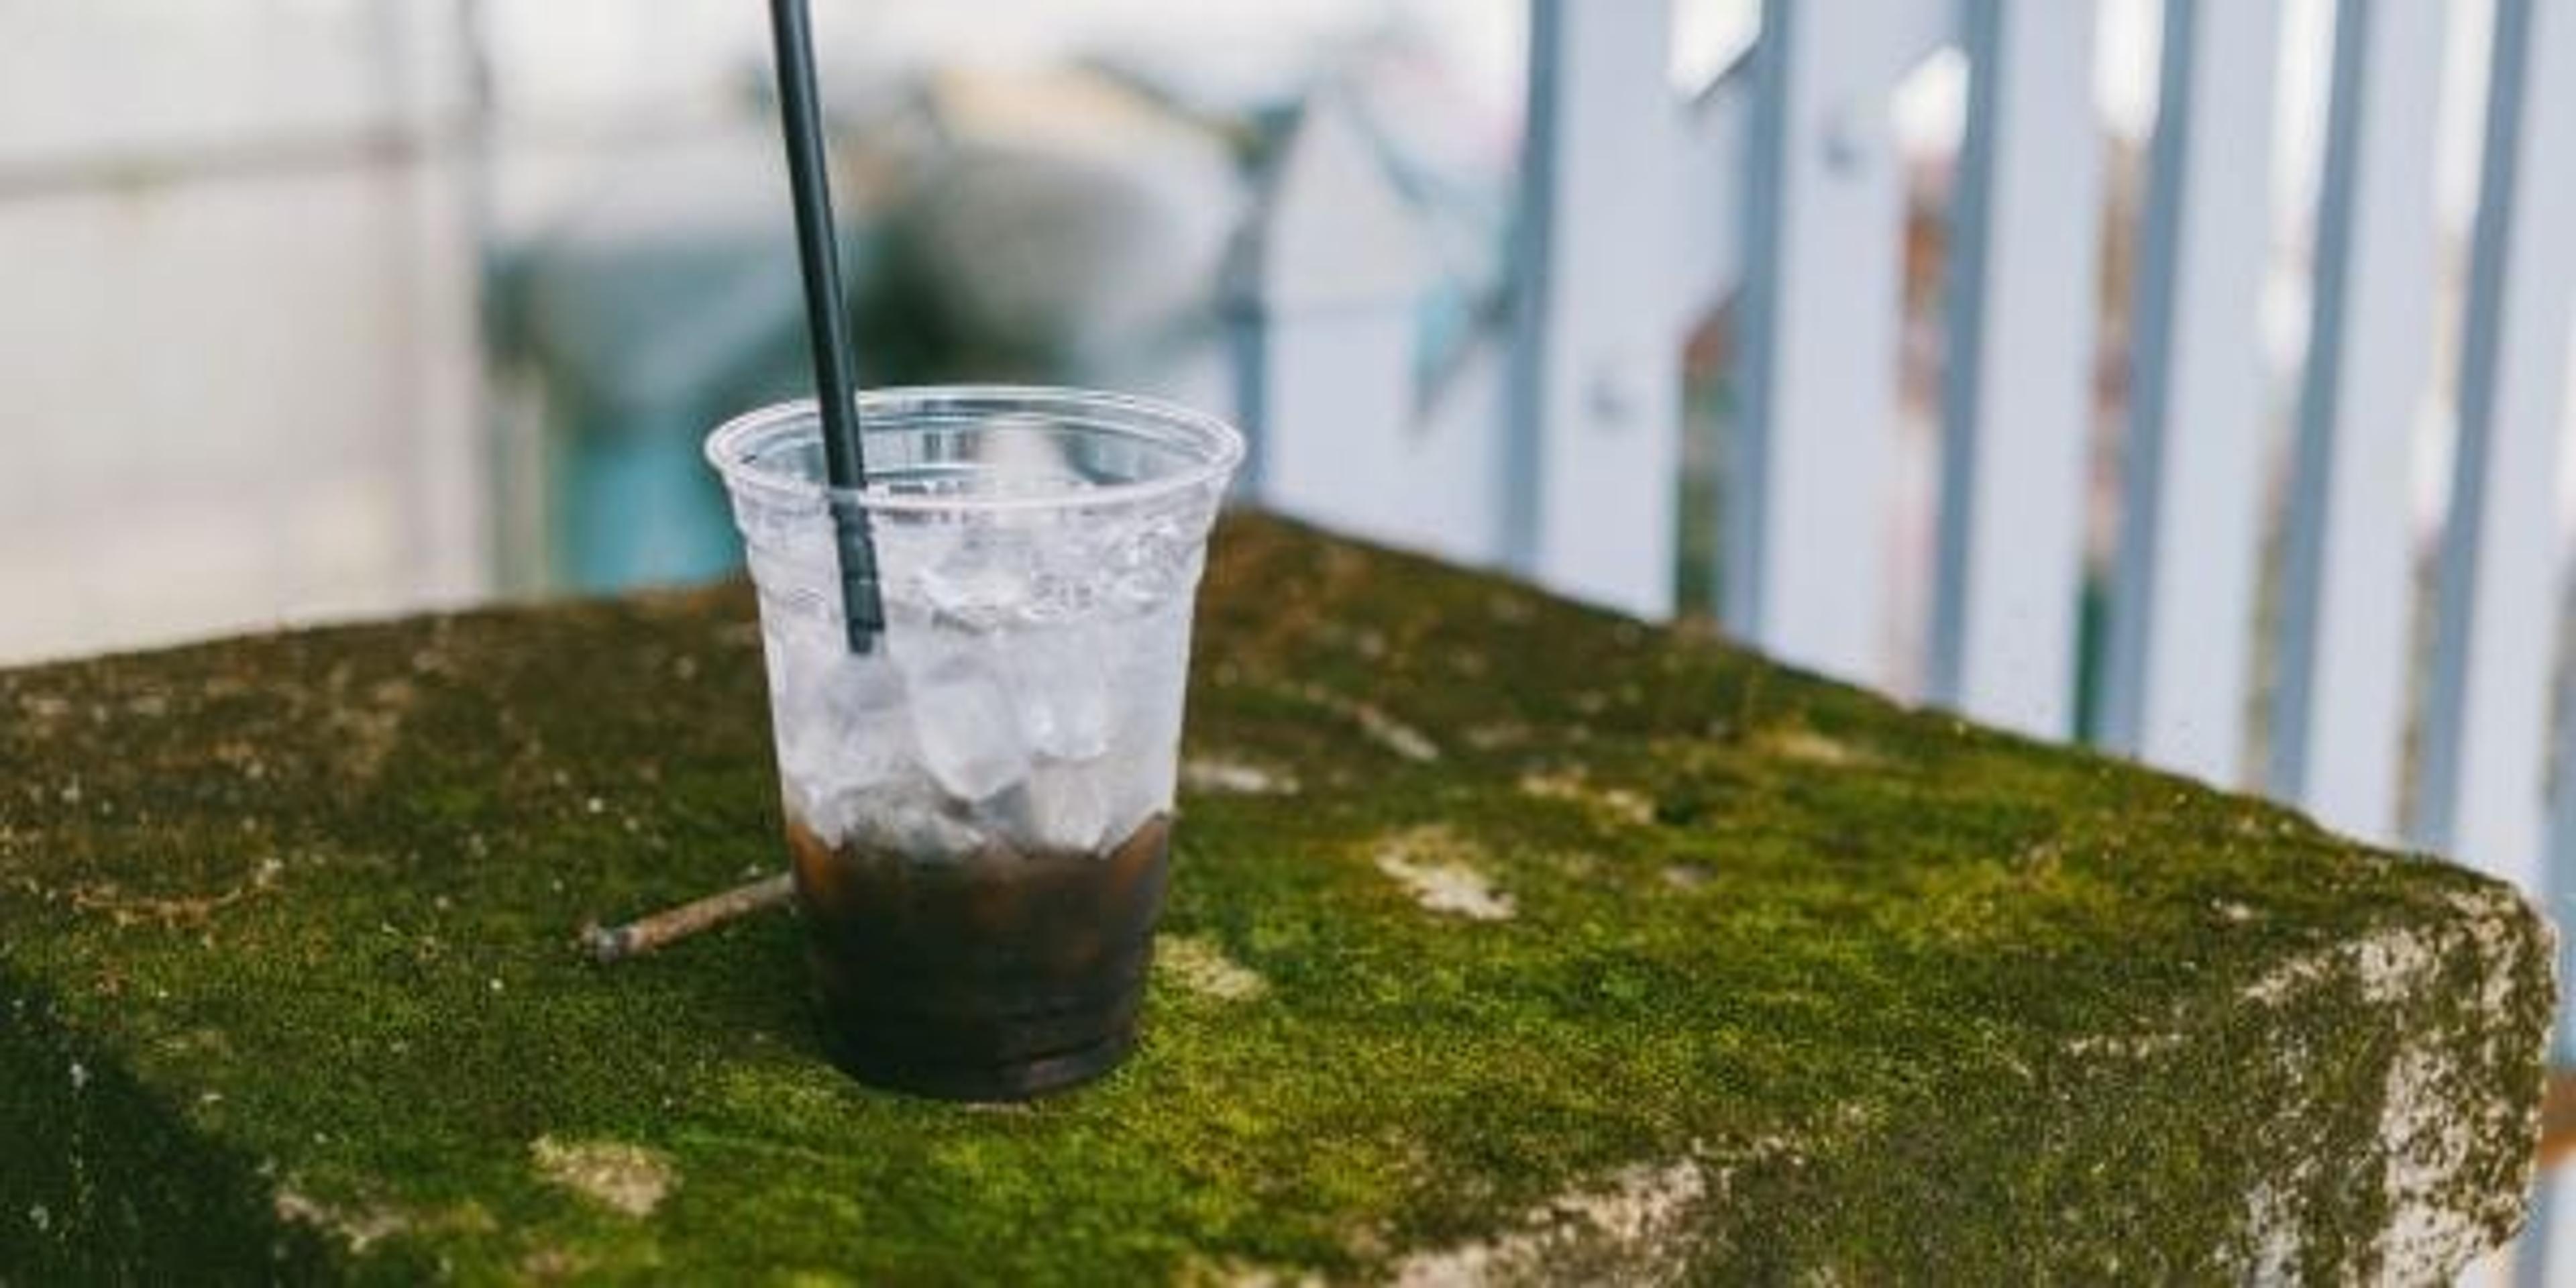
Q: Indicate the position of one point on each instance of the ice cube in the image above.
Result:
(837, 716)
(1142, 787)
(1145, 566)
(977, 579)
(963, 723)
(833, 816)
(1147, 749)
(1061, 679)
(908, 816)
(1062, 806)
(912, 819)
(795, 563)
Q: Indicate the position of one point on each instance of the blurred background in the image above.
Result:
(321, 308)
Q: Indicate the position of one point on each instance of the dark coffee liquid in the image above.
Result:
(997, 976)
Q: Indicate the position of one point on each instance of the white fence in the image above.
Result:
(1779, 191)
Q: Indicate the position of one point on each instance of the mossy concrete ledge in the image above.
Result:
(1509, 942)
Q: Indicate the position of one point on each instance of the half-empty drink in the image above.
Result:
(979, 804)
(991, 978)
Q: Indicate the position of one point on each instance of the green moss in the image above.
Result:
(1880, 995)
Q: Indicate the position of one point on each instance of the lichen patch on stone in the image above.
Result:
(1202, 967)
(1806, 746)
(2428, 1142)
(628, 1178)
(553, 1265)
(368, 732)
(2390, 965)
(1217, 776)
(2425, 1137)
(359, 1228)
(1237, 1273)
(2128, 1046)
(1631, 1230)
(2428, 1135)
(1376, 725)
(1436, 868)
(2272, 1233)
(2281, 982)
(1614, 804)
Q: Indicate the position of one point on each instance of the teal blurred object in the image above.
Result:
(973, 249)
(633, 507)
(659, 310)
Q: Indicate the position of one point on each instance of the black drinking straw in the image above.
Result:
(845, 464)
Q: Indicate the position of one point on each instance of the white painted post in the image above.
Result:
(1716, 151)
(1708, 193)
(2182, 610)
(2339, 714)
(2498, 597)
(1805, 566)
(2018, 401)
(1325, 287)
(1596, 426)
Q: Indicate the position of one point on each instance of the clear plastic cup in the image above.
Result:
(979, 805)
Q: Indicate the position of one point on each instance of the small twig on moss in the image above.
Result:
(606, 944)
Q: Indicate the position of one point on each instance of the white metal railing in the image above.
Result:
(1779, 189)
(2341, 702)
(2499, 581)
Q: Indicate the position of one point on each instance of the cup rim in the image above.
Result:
(1221, 444)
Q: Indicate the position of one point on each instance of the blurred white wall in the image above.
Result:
(237, 351)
